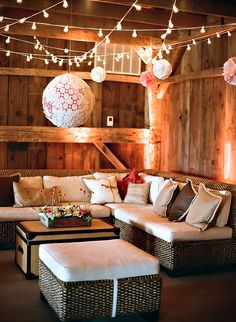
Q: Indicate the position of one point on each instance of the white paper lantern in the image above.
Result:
(67, 101)
(98, 74)
(162, 68)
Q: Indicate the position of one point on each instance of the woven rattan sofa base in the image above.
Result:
(93, 299)
(181, 256)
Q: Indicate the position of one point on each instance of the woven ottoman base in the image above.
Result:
(92, 299)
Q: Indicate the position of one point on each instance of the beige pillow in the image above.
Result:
(137, 193)
(156, 184)
(33, 197)
(72, 187)
(222, 214)
(32, 182)
(203, 208)
(103, 190)
(164, 197)
(102, 175)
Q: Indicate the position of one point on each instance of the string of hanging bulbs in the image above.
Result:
(82, 56)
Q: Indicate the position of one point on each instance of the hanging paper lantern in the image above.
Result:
(230, 71)
(147, 79)
(67, 101)
(162, 68)
(98, 74)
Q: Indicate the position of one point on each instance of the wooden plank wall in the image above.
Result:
(21, 104)
(198, 116)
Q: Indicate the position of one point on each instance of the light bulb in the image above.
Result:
(47, 52)
(118, 26)
(128, 56)
(194, 42)
(98, 58)
(1, 18)
(107, 40)
(89, 63)
(60, 62)
(160, 56)
(34, 27)
(170, 25)
(217, 35)
(22, 20)
(137, 6)
(40, 47)
(31, 56)
(100, 33)
(91, 55)
(175, 9)
(117, 59)
(163, 36)
(8, 53)
(19, 1)
(203, 30)
(188, 47)
(65, 4)
(169, 47)
(28, 58)
(36, 46)
(66, 29)
(168, 31)
(77, 64)
(70, 62)
(134, 34)
(104, 62)
(208, 41)
(46, 61)
(66, 51)
(8, 40)
(45, 14)
(229, 33)
(167, 52)
(6, 28)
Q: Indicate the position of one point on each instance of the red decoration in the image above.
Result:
(123, 184)
(147, 79)
(230, 71)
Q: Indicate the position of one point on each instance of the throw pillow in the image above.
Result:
(72, 187)
(32, 182)
(123, 184)
(203, 209)
(103, 190)
(6, 190)
(137, 193)
(155, 185)
(102, 175)
(33, 197)
(166, 197)
(222, 214)
(182, 202)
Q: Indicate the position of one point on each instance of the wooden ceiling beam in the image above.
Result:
(90, 9)
(207, 7)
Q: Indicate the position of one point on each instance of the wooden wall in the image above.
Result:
(21, 104)
(198, 132)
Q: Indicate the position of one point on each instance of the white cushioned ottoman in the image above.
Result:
(99, 279)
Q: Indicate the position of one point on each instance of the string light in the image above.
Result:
(217, 35)
(65, 4)
(22, 20)
(28, 58)
(6, 28)
(66, 29)
(70, 62)
(60, 62)
(90, 63)
(188, 47)
(66, 50)
(194, 42)
(170, 25)
(229, 33)
(175, 9)
(98, 58)
(107, 40)
(208, 41)
(1, 18)
(119, 27)
(8, 53)
(100, 33)
(8, 40)
(46, 61)
(202, 30)
(45, 14)
(34, 27)
(19, 1)
(137, 6)
(134, 34)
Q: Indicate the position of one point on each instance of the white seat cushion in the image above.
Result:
(97, 260)
(147, 220)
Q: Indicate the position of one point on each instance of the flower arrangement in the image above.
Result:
(67, 216)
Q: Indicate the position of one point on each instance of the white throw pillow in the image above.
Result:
(32, 182)
(103, 190)
(203, 209)
(156, 184)
(72, 188)
(164, 197)
(102, 175)
(222, 214)
(137, 193)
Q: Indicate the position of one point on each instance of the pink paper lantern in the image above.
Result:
(230, 71)
(147, 79)
(67, 101)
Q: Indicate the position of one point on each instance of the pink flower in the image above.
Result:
(230, 71)
(147, 79)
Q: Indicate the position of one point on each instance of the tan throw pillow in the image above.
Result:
(32, 182)
(137, 193)
(164, 197)
(222, 214)
(33, 197)
(103, 190)
(203, 208)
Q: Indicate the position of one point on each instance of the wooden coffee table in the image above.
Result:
(30, 234)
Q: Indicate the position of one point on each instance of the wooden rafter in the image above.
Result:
(110, 156)
(73, 135)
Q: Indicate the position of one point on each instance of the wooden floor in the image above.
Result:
(198, 298)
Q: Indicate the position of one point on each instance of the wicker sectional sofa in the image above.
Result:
(214, 247)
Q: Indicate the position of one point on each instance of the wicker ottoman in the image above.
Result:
(99, 279)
